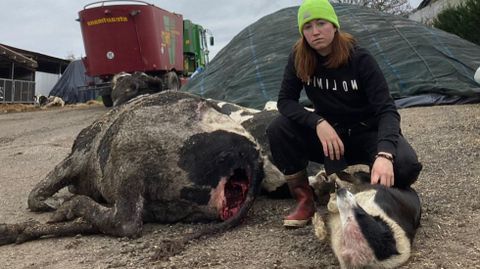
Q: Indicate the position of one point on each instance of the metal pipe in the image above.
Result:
(106, 1)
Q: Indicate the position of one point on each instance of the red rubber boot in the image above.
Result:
(303, 194)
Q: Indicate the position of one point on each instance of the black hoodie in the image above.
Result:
(353, 93)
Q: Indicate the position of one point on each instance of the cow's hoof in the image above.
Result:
(322, 188)
(53, 202)
(39, 204)
(319, 227)
(9, 233)
(332, 203)
(61, 215)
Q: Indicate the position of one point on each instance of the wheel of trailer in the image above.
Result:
(172, 81)
(107, 100)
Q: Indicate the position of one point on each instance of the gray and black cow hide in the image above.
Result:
(166, 157)
(256, 123)
(126, 86)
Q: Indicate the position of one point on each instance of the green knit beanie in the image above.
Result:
(316, 9)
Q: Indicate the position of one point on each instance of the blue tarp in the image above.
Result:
(72, 86)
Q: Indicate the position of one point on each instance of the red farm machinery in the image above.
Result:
(133, 36)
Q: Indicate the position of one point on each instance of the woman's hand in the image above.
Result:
(331, 142)
(382, 172)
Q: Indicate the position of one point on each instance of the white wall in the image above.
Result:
(428, 13)
(44, 82)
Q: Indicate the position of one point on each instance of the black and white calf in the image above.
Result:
(372, 228)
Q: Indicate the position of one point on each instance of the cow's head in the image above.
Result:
(226, 166)
(126, 86)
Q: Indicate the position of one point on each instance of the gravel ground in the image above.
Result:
(446, 138)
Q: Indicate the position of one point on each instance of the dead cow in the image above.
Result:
(166, 157)
(373, 227)
(126, 86)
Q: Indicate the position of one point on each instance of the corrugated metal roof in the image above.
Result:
(17, 57)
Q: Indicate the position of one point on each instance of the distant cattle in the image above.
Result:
(55, 101)
(44, 101)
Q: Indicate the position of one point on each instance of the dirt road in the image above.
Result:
(447, 140)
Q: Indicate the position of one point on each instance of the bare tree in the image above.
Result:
(71, 56)
(396, 7)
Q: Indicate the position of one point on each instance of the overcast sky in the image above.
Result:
(49, 26)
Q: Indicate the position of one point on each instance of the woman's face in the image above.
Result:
(319, 35)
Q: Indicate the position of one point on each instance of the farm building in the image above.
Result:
(429, 9)
(24, 74)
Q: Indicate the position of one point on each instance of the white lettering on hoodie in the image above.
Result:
(331, 84)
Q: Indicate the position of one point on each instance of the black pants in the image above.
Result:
(293, 146)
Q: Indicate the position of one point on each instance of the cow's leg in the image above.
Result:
(40, 198)
(26, 231)
(123, 218)
(10, 232)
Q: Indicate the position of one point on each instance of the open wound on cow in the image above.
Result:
(230, 194)
(235, 193)
(220, 160)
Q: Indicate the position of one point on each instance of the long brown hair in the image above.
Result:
(306, 57)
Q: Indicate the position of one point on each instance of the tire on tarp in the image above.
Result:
(172, 81)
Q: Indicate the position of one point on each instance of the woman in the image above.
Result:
(354, 121)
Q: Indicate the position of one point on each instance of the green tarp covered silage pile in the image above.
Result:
(423, 65)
